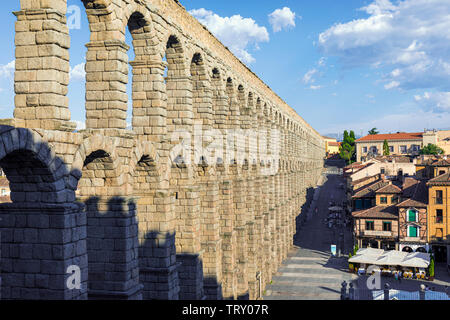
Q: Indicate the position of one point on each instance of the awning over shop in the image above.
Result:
(391, 258)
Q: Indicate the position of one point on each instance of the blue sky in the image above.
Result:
(353, 64)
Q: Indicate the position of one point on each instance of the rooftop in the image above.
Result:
(392, 137)
(380, 212)
(443, 179)
(390, 188)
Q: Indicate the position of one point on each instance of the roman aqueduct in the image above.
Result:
(136, 214)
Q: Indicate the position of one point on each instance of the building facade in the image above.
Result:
(331, 145)
(399, 144)
(439, 217)
(413, 220)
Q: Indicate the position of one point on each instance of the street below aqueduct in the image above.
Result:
(310, 272)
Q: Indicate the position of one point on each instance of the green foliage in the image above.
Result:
(432, 149)
(386, 151)
(373, 131)
(431, 267)
(347, 151)
(355, 249)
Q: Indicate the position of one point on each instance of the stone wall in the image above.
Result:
(154, 212)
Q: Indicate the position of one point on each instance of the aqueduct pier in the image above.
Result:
(147, 212)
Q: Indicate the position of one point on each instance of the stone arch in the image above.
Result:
(202, 93)
(41, 215)
(111, 218)
(92, 144)
(144, 150)
(24, 158)
(98, 4)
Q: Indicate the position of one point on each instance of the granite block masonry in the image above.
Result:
(197, 200)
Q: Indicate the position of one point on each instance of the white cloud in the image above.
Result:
(438, 102)
(77, 72)
(408, 40)
(413, 121)
(392, 85)
(282, 19)
(236, 32)
(309, 76)
(312, 87)
(81, 125)
(7, 70)
(322, 62)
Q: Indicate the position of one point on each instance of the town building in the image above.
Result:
(413, 217)
(439, 217)
(439, 138)
(331, 145)
(432, 167)
(391, 213)
(400, 143)
(4, 188)
(390, 166)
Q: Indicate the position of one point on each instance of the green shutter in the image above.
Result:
(412, 216)
(413, 232)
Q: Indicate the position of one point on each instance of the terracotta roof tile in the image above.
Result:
(443, 179)
(369, 191)
(419, 197)
(390, 188)
(4, 182)
(381, 212)
(393, 136)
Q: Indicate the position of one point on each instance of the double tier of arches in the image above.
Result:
(164, 221)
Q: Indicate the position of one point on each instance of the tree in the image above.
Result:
(347, 149)
(431, 267)
(432, 149)
(386, 151)
(373, 131)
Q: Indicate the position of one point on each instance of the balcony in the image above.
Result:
(373, 233)
(413, 239)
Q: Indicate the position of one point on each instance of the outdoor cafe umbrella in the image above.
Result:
(416, 260)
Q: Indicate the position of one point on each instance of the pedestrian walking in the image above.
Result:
(400, 276)
(396, 276)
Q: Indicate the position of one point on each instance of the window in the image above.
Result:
(412, 232)
(3, 192)
(439, 197)
(395, 200)
(364, 149)
(383, 171)
(412, 216)
(370, 225)
(374, 150)
(358, 204)
(387, 226)
(391, 149)
(403, 149)
(415, 147)
(439, 216)
(383, 200)
(441, 172)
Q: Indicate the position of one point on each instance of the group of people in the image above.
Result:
(398, 276)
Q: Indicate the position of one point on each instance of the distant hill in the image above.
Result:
(340, 136)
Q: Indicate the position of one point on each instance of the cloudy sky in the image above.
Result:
(353, 64)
